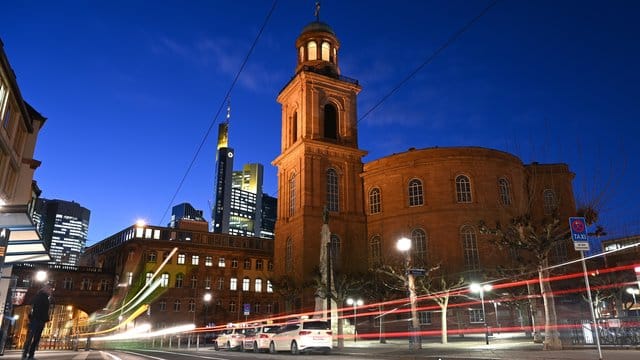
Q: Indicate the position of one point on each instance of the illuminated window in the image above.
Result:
(332, 190)
(208, 261)
(258, 285)
(374, 201)
(269, 286)
(195, 259)
(470, 248)
(325, 51)
(182, 258)
(463, 189)
(416, 197)
(246, 284)
(221, 262)
(148, 277)
(505, 191)
(312, 50)
(164, 280)
(233, 284)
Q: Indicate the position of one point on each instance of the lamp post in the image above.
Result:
(404, 245)
(355, 304)
(495, 311)
(475, 288)
(206, 298)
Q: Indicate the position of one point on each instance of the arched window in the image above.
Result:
(86, 284)
(463, 189)
(333, 195)
(257, 285)
(330, 122)
(179, 280)
(325, 51)
(68, 283)
(374, 251)
(294, 127)
(192, 305)
(335, 251)
(505, 191)
(550, 202)
(246, 284)
(374, 201)
(176, 306)
(470, 248)
(312, 50)
(415, 193)
(419, 246)
(292, 194)
(288, 256)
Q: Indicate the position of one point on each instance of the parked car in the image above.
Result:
(230, 339)
(258, 338)
(302, 336)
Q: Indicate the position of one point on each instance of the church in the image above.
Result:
(434, 196)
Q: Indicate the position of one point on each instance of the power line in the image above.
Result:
(222, 104)
(431, 57)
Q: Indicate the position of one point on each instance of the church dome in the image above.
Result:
(318, 26)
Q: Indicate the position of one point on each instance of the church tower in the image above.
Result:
(320, 166)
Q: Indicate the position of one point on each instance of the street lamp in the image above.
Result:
(355, 304)
(206, 298)
(475, 288)
(404, 245)
(41, 276)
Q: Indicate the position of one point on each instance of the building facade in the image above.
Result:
(436, 196)
(65, 226)
(188, 262)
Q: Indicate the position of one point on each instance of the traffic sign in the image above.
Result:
(418, 272)
(247, 309)
(578, 227)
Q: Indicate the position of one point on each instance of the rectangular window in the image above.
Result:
(425, 317)
(246, 284)
(233, 284)
(208, 261)
(234, 263)
(207, 282)
(247, 264)
(258, 285)
(221, 262)
(258, 264)
(475, 316)
(269, 286)
(181, 258)
(195, 259)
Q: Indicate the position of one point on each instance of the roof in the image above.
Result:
(318, 26)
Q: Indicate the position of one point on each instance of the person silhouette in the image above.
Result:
(37, 318)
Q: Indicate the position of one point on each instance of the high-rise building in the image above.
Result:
(65, 225)
(239, 207)
(184, 211)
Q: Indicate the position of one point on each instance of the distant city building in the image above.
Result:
(184, 211)
(65, 225)
(239, 201)
(269, 216)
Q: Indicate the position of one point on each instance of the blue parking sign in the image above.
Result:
(247, 309)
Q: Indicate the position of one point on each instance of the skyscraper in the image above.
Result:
(238, 207)
(65, 225)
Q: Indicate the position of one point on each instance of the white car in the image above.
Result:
(230, 339)
(302, 336)
(259, 337)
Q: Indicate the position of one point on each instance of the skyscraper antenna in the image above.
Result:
(228, 110)
(317, 12)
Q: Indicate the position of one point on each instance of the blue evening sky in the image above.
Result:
(131, 87)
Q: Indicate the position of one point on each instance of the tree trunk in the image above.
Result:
(533, 311)
(551, 334)
(340, 330)
(383, 339)
(443, 319)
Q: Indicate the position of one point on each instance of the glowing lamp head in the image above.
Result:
(403, 244)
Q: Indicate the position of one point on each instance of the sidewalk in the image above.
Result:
(512, 348)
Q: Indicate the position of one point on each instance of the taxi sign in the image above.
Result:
(578, 227)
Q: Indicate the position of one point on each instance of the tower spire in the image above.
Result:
(228, 110)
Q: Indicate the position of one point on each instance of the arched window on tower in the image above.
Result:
(294, 127)
(470, 248)
(312, 50)
(292, 194)
(288, 256)
(374, 251)
(550, 201)
(330, 122)
(463, 189)
(325, 51)
(301, 54)
(333, 195)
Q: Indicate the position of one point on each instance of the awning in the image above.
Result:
(23, 243)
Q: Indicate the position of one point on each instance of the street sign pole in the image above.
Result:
(578, 227)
